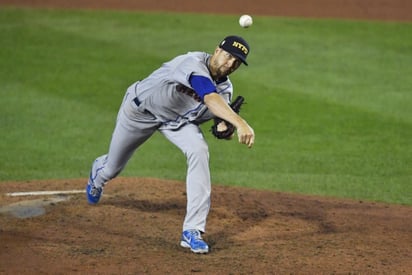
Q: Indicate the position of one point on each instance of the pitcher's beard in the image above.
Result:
(222, 73)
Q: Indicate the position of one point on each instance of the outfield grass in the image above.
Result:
(330, 100)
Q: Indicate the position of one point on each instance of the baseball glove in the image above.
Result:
(227, 133)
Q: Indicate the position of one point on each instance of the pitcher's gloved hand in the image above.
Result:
(223, 129)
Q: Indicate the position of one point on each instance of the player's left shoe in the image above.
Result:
(193, 239)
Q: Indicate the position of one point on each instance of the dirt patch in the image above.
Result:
(397, 10)
(136, 229)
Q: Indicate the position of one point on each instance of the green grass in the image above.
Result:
(330, 100)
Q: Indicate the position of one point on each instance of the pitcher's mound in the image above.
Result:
(137, 224)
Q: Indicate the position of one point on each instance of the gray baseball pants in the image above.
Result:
(133, 127)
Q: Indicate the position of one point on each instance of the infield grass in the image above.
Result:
(330, 100)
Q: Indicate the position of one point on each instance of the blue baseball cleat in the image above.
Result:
(192, 239)
(93, 193)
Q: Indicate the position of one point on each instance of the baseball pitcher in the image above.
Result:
(175, 99)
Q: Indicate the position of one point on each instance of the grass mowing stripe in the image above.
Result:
(325, 97)
(311, 139)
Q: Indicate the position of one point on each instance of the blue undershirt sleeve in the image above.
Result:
(202, 85)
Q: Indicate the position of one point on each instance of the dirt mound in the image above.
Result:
(136, 229)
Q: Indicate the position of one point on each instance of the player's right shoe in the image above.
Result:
(192, 239)
(93, 193)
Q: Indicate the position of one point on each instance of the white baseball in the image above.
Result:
(245, 21)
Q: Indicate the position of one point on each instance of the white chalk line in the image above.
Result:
(45, 193)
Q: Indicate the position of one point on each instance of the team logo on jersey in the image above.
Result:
(186, 90)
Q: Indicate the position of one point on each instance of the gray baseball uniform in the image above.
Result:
(166, 101)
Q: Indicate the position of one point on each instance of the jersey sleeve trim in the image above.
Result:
(202, 85)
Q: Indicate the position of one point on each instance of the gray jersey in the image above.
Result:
(166, 102)
(168, 95)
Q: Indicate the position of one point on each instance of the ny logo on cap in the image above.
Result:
(240, 46)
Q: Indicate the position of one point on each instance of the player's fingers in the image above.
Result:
(251, 141)
(241, 139)
(246, 136)
(248, 139)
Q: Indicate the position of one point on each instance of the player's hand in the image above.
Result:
(222, 127)
(246, 135)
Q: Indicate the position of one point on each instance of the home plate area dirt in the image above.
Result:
(135, 229)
